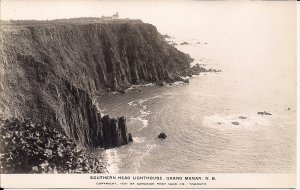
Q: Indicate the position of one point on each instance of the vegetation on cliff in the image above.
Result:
(27, 147)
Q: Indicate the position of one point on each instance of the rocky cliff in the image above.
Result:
(51, 72)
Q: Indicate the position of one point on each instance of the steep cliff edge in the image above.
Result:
(51, 72)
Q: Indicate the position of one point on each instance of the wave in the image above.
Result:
(144, 111)
(138, 140)
(142, 120)
(141, 101)
(141, 158)
(132, 87)
(132, 103)
(112, 160)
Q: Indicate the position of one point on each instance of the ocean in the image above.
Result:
(254, 44)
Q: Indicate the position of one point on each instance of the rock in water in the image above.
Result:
(162, 135)
(166, 36)
(184, 43)
(115, 132)
(130, 137)
(186, 80)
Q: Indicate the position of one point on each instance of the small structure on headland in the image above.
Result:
(115, 16)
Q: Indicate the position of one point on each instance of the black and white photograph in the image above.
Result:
(148, 87)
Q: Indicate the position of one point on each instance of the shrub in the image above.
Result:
(27, 147)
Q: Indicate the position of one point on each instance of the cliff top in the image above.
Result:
(82, 20)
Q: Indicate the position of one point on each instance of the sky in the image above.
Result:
(211, 17)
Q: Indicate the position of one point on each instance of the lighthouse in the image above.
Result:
(115, 16)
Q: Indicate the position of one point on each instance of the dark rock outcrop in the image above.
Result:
(166, 36)
(114, 132)
(197, 69)
(130, 137)
(174, 44)
(52, 71)
(184, 43)
(160, 83)
(186, 80)
(162, 135)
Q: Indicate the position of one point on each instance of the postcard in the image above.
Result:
(148, 94)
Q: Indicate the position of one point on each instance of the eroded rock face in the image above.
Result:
(53, 72)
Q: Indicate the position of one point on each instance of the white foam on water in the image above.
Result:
(141, 158)
(138, 140)
(141, 101)
(96, 103)
(132, 103)
(142, 120)
(112, 160)
(149, 84)
(144, 112)
(187, 77)
(132, 87)
(102, 112)
(178, 83)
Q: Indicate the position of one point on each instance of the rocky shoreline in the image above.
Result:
(51, 72)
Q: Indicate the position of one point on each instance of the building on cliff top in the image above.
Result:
(115, 16)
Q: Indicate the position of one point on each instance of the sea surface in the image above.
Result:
(256, 53)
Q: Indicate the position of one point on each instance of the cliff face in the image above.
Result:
(53, 72)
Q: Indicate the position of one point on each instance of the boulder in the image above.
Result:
(235, 123)
(162, 135)
(184, 43)
(130, 139)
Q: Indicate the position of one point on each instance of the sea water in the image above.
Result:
(255, 49)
